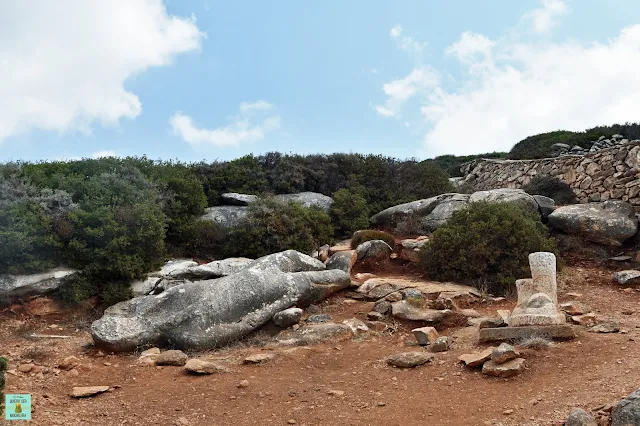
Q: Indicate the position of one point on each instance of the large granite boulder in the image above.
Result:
(374, 250)
(506, 195)
(207, 314)
(390, 217)
(610, 223)
(225, 216)
(443, 211)
(436, 211)
(546, 205)
(627, 411)
(33, 284)
(236, 199)
(309, 199)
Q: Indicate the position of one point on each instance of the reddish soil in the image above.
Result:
(589, 372)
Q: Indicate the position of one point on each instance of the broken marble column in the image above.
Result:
(537, 296)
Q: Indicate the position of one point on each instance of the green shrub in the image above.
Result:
(27, 242)
(271, 226)
(485, 244)
(370, 234)
(3, 369)
(551, 187)
(349, 212)
(202, 239)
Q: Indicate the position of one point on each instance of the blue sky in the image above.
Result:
(206, 80)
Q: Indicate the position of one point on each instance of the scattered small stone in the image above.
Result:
(409, 359)
(587, 320)
(492, 323)
(508, 369)
(507, 412)
(149, 352)
(318, 318)
(605, 327)
(243, 384)
(579, 417)
(25, 368)
(181, 421)
(441, 344)
(380, 404)
(628, 277)
(356, 325)
(172, 357)
(291, 422)
(476, 359)
(334, 392)
(68, 363)
(288, 317)
(425, 335)
(259, 358)
(86, 391)
(620, 258)
(198, 366)
(503, 353)
(576, 295)
(628, 312)
(375, 316)
(575, 308)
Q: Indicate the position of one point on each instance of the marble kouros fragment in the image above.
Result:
(537, 296)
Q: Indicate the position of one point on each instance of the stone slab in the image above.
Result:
(557, 331)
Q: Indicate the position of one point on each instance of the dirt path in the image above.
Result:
(293, 388)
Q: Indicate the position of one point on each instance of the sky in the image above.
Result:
(205, 80)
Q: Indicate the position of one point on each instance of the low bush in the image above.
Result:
(551, 187)
(4, 363)
(271, 226)
(369, 235)
(201, 239)
(349, 212)
(488, 243)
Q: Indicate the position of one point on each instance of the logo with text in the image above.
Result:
(18, 407)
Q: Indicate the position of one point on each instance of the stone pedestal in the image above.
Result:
(537, 296)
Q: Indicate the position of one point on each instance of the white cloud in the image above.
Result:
(545, 18)
(407, 43)
(101, 154)
(246, 107)
(64, 63)
(513, 87)
(241, 130)
(398, 92)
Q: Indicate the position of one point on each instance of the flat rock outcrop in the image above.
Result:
(33, 284)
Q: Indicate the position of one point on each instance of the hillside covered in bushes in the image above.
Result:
(117, 219)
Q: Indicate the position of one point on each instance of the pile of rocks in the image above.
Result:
(502, 361)
(561, 149)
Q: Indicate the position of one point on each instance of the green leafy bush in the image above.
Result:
(271, 226)
(201, 239)
(4, 363)
(349, 212)
(370, 234)
(551, 187)
(485, 244)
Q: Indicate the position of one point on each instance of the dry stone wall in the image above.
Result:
(608, 174)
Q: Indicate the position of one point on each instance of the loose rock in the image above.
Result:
(503, 353)
(86, 391)
(288, 317)
(409, 359)
(507, 369)
(605, 327)
(579, 417)
(172, 357)
(628, 277)
(476, 359)
(198, 366)
(425, 335)
(441, 344)
(259, 358)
